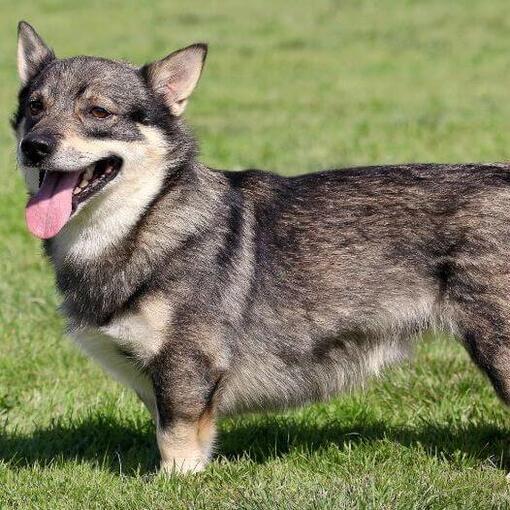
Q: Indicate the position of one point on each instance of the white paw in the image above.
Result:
(183, 466)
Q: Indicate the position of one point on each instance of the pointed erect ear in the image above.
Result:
(175, 76)
(33, 54)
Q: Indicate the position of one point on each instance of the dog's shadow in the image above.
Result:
(131, 450)
(277, 438)
(101, 441)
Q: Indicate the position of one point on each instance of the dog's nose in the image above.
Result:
(37, 147)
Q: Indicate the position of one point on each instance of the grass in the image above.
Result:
(292, 86)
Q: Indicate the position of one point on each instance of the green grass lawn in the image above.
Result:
(291, 86)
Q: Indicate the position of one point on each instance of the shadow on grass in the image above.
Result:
(104, 442)
(99, 441)
(276, 438)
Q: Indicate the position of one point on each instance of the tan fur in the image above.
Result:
(180, 448)
(206, 431)
(141, 333)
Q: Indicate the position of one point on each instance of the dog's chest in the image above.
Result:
(126, 345)
(140, 332)
(137, 333)
(109, 352)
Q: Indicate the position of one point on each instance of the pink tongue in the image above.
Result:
(49, 210)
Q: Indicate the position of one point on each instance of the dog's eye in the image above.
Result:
(35, 106)
(99, 113)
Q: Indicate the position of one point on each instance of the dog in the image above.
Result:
(212, 292)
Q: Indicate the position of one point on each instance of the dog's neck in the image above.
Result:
(103, 259)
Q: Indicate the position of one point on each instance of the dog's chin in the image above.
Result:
(93, 178)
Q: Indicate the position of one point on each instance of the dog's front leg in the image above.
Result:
(184, 387)
(186, 445)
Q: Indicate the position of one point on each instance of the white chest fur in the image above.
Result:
(140, 334)
(106, 351)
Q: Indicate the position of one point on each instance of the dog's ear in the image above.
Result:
(33, 54)
(175, 76)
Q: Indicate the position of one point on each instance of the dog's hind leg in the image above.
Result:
(476, 282)
(483, 325)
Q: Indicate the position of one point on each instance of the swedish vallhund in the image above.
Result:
(212, 292)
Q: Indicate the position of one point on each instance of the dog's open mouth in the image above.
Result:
(94, 178)
(60, 193)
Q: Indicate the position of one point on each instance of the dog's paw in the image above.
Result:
(183, 466)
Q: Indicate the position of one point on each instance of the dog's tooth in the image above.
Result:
(76, 191)
(89, 172)
(84, 183)
(108, 170)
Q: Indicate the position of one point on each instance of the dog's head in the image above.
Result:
(90, 128)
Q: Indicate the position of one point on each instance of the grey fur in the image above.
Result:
(280, 291)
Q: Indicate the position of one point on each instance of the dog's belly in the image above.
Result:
(272, 383)
(250, 384)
